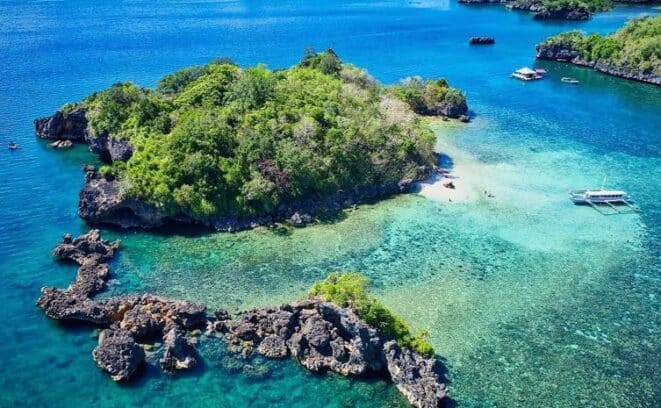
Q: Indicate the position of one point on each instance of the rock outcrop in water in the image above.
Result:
(325, 337)
(63, 125)
(481, 41)
(128, 318)
(72, 125)
(320, 335)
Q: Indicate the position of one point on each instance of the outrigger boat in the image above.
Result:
(527, 74)
(597, 197)
(569, 80)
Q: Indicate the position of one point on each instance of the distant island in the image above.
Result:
(633, 52)
(233, 148)
(338, 328)
(558, 9)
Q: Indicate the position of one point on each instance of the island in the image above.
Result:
(233, 148)
(339, 327)
(558, 9)
(632, 52)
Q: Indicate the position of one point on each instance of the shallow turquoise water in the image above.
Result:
(530, 300)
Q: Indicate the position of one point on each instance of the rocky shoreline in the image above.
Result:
(101, 200)
(320, 335)
(564, 53)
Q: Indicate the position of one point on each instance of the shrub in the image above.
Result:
(350, 290)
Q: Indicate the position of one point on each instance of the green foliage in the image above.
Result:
(350, 290)
(588, 5)
(425, 97)
(327, 62)
(219, 140)
(637, 45)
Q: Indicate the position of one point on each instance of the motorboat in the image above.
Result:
(569, 80)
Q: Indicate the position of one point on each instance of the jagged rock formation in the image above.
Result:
(129, 318)
(101, 201)
(325, 337)
(63, 125)
(320, 335)
(565, 53)
(72, 125)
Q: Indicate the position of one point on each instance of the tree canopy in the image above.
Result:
(637, 45)
(220, 140)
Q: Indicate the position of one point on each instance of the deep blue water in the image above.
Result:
(515, 277)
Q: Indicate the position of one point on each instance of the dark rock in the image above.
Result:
(481, 41)
(108, 147)
(320, 335)
(119, 149)
(273, 346)
(88, 249)
(300, 220)
(66, 127)
(451, 110)
(325, 337)
(415, 376)
(118, 354)
(63, 305)
(178, 354)
(63, 125)
(131, 317)
(575, 13)
(221, 315)
(102, 202)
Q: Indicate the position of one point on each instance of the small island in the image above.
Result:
(631, 53)
(234, 148)
(339, 327)
(557, 9)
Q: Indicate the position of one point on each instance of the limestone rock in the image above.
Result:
(178, 354)
(63, 125)
(118, 354)
(415, 376)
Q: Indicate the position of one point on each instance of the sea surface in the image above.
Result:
(530, 300)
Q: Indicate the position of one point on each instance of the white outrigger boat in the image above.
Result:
(527, 74)
(611, 198)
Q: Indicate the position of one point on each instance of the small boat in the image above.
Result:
(541, 71)
(597, 196)
(569, 80)
(526, 74)
(12, 146)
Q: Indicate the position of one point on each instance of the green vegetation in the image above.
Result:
(350, 290)
(428, 97)
(219, 140)
(555, 5)
(637, 45)
(589, 5)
